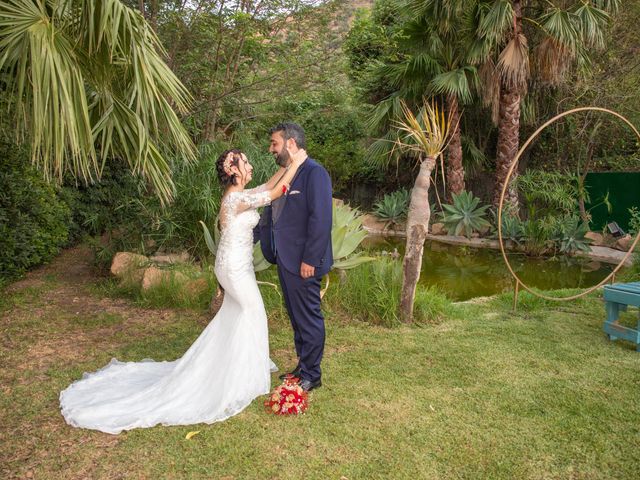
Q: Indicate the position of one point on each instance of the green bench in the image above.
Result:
(618, 297)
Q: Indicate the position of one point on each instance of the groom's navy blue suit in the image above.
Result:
(296, 228)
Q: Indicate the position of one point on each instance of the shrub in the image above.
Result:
(393, 206)
(104, 205)
(634, 221)
(465, 216)
(33, 220)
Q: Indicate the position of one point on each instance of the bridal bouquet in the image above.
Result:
(287, 399)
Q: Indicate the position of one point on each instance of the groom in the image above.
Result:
(295, 234)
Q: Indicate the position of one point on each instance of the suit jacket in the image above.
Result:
(299, 228)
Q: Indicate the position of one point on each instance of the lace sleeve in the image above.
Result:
(242, 201)
(258, 189)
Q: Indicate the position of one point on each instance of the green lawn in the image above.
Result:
(485, 393)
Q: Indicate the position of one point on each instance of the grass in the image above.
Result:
(373, 290)
(484, 393)
(169, 293)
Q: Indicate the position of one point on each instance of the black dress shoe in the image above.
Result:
(294, 373)
(308, 385)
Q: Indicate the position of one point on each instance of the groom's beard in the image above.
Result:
(283, 159)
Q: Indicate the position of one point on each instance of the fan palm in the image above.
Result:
(424, 135)
(87, 82)
(433, 61)
(562, 34)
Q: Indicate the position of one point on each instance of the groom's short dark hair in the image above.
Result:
(291, 130)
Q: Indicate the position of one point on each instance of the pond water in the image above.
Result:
(464, 272)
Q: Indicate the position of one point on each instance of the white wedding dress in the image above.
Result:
(225, 369)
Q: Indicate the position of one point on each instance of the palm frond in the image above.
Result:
(591, 24)
(513, 63)
(425, 133)
(90, 83)
(561, 25)
(496, 19)
(490, 88)
(459, 82)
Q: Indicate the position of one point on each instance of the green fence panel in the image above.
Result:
(624, 192)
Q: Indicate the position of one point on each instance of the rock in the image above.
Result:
(591, 266)
(438, 247)
(624, 243)
(153, 276)
(438, 229)
(371, 222)
(596, 238)
(150, 243)
(484, 230)
(338, 202)
(171, 258)
(124, 262)
(196, 287)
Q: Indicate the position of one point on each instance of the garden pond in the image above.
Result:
(463, 272)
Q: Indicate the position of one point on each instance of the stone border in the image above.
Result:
(600, 254)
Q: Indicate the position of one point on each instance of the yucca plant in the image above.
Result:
(393, 206)
(464, 216)
(425, 136)
(89, 83)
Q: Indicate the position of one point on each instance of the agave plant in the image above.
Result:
(573, 231)
(464, 216)
(347, 234)
(512, 228)
(393, 206)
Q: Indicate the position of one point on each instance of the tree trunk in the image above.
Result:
(417, 227)
(508, 142)
(455, 169)
(509, 131)
(153, 18)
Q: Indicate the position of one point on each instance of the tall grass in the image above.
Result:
(371, 292)
(173, 292)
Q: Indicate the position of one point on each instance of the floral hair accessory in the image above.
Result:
(288, 398)
(227, 163)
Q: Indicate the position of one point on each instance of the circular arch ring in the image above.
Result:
(504, 190)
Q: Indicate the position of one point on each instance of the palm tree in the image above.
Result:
(559, 35)
(434, 61)
(423, 135)
(87, 83)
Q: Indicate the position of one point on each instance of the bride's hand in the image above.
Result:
(298, 157)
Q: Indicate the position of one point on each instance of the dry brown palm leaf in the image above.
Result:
(553, 61)
(513, 63)
(490, 80)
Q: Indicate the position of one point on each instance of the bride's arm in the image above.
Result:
(271, 183)
(247, 199)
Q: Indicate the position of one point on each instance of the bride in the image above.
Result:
(228, 365)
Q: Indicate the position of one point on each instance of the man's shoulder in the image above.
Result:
(314, 165)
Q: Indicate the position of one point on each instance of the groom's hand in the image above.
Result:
(307, 271)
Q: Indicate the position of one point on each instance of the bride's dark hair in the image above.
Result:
(225, 160)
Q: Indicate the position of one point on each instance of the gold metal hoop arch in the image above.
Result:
(501, 205)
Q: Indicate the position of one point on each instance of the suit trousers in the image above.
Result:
(302, 300)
